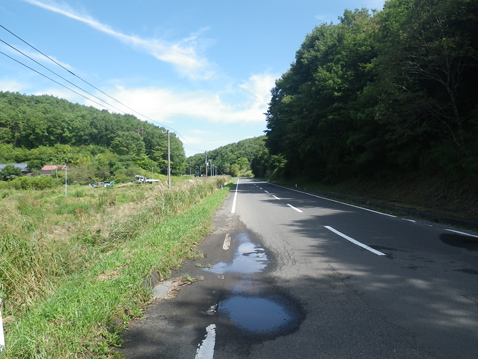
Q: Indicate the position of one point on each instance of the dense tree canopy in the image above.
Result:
(382, 93)
(43, 129)
(236, 159)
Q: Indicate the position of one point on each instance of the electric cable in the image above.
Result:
(49, 78)
(53, 72)
(72, 73)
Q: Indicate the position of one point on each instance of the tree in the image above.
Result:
(31, 122)
(318, 105)
(426, 77)
(128, 143)
(10, 172)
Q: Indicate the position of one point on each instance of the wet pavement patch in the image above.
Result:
(253, 304)
(248, 258)
(258, 316)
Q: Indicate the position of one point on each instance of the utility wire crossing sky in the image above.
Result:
(202, 69)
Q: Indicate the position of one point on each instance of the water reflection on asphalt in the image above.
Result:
(254, 307)
(248, 258)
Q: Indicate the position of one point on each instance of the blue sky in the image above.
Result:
(201, 68)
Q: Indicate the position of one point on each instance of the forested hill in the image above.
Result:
(244, 158)
(382, 94)
(31, 125)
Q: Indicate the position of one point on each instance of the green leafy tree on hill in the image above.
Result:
(10, 172)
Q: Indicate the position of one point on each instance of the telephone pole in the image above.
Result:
(169, 162)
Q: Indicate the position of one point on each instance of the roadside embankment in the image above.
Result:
(74, 270)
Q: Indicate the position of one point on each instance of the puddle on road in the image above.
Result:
(248, 258)
(261, 316)
(253, 306)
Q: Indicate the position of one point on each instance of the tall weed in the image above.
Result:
(50, 241)
(47, 238)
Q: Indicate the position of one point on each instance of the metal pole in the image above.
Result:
(2, 337)
(169, 162)
(206, 164)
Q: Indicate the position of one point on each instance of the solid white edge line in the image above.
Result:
(295, 209)
(233, 209)
(355, 241)
(463, 233)
(333, 200)
(206, 349)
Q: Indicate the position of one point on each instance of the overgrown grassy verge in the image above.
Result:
(78, 311)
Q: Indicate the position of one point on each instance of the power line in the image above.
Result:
(49, 78)
(78, 77)
(53, 72)
(190, 144)
(86, 82)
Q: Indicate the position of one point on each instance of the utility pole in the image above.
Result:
(169, 162)
(66, 180)
(206, 164)
(2, 336)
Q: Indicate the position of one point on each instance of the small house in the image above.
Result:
(50, 169)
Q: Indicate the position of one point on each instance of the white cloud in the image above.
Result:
(259, 87)
(11, 86)
(165, 105)
(200, 132)
(182, 54)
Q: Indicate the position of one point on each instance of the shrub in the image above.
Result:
(36, 183)
(10, 172)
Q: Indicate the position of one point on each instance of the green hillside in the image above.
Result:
(43, 130)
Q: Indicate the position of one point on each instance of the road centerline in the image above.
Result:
(350, 239)
(294, 208)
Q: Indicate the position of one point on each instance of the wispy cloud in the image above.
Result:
(182, 54)
(167, 106)
(12, 86)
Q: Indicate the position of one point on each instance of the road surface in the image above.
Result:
(291, 275)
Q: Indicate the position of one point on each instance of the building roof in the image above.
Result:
(22, 166)
(53, 167)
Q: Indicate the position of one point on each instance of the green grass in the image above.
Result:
(82, 312)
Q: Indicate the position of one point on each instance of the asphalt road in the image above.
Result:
(291, 275)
